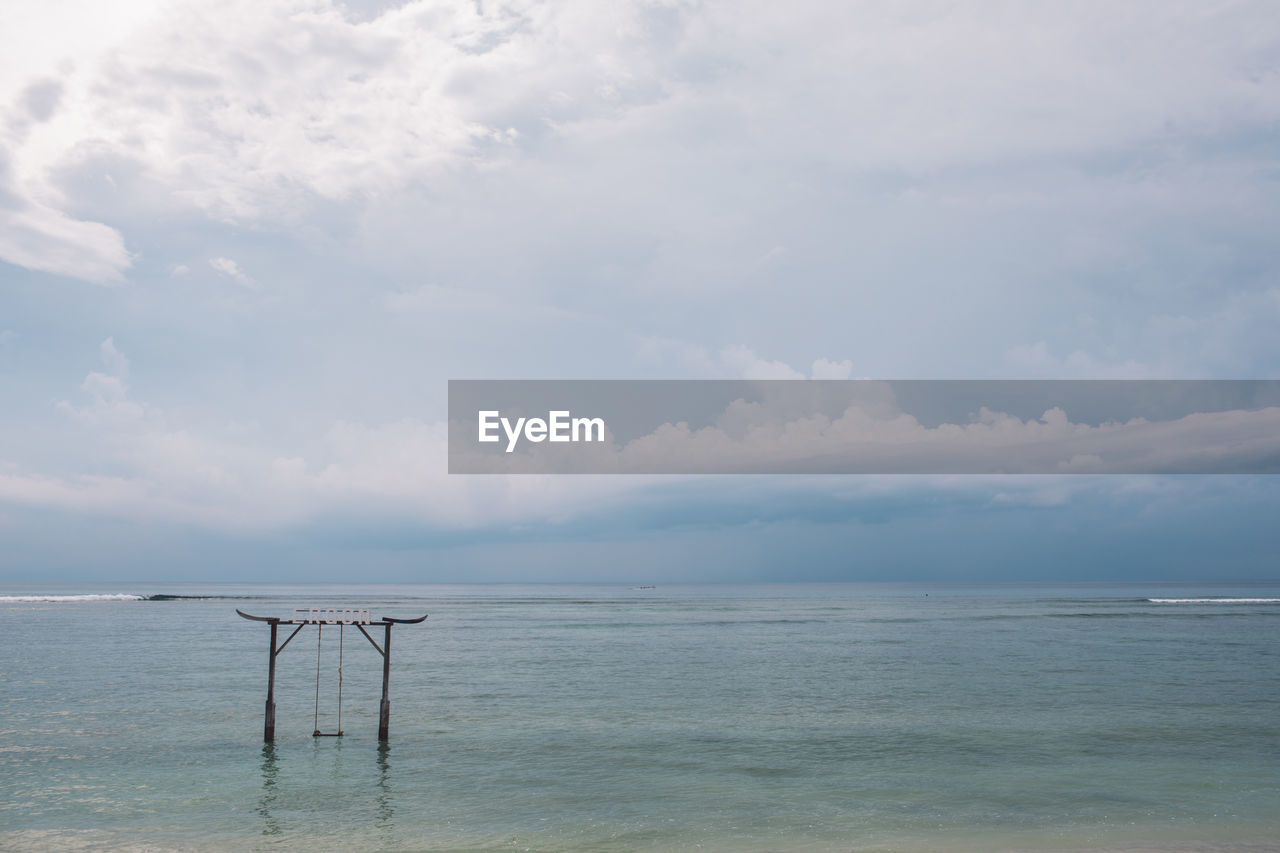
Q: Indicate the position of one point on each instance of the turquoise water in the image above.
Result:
(773, 717)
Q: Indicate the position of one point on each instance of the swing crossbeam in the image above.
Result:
(330, 617)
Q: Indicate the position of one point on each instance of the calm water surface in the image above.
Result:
(609, 718)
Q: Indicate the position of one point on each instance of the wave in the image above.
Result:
(164, 596)
(1214, 600)
(35, 598)
(58, 599)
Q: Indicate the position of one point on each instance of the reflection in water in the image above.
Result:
(270, 768)
(383, 798)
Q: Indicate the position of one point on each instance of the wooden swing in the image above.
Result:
(317, 732)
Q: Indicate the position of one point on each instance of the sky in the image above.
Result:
(244, 245)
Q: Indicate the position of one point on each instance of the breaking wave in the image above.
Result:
(57, 599)
(36, 598)
(1214, 600)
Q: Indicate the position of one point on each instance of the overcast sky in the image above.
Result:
(243, 245)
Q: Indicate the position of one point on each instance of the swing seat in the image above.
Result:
(318, 733)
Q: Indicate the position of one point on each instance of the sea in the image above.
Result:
(772, 717)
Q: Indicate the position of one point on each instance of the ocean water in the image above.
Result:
(611, 718)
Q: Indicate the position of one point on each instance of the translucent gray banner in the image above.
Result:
(864, 427)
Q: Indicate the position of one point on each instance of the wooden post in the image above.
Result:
(384, 710)
(269, 726)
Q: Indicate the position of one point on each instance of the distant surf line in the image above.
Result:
(82, 598)
(1214, 600)
(57, 599)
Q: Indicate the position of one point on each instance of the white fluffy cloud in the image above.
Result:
(229, 268)
(824, 368)
(733, 362)
(108, 393)
(252, 111)
(875, 436)
(43, 238)
(232, 480)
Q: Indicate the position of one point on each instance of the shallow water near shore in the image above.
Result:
(802, 717)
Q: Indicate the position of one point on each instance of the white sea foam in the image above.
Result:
(1214, 600)
(58, 599)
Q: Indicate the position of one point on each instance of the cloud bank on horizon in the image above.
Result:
(244, 244)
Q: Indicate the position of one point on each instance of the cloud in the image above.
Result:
(303, 508)
(731, 362)
(1036, 360)
(34, 232)
(826, 369)
(741, 362)
(475, 306)
(231, 480)
(246, 109)
(229, 268)
(1204, 343)
(116, 362)
(79, 494)
(44, 239)
(239, 481)
(109, 404)
(255, 112)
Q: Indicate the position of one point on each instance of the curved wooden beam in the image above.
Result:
(401, 621)
(257, 618)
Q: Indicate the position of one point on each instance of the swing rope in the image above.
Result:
(340, 627)
(319, 634)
